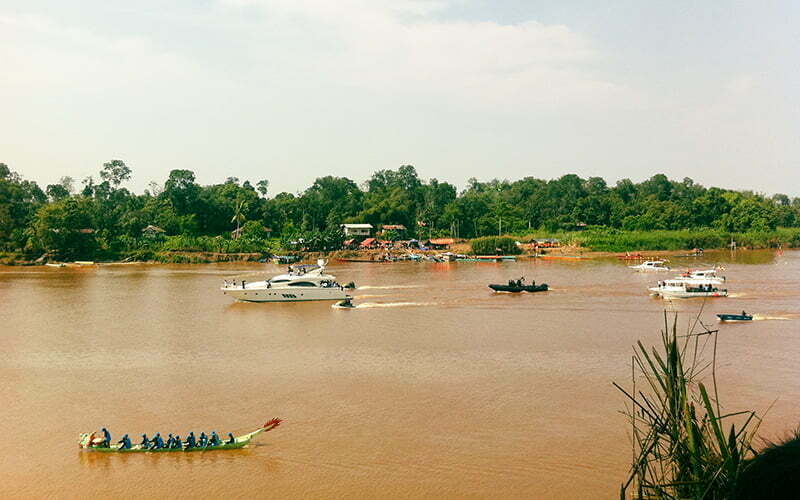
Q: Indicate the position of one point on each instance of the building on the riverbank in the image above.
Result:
(356, 230)
(439, 243)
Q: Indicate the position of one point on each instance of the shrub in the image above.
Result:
(489, 245)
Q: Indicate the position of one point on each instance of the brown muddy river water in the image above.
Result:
(432, 387)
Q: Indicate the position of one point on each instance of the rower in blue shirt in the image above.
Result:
(176, 443)
(125, 443)
(170, 440)
(157, 443)
(231, 439)
(215, 440)
(191, 442)
(106, 438)
(203, 440)
(145, 442)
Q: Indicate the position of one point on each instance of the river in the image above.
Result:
(432, 387)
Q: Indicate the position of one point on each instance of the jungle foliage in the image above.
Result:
(101, 218)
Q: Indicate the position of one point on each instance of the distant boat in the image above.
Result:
(92, 441)
(85, 262)
(55, 264)
(486, 258)
(370, 261)
(517, 286)
(650, 265)
(561, 257)
(735, 317)
(285, 259)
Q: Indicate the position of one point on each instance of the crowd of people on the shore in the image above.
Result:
(172, 442)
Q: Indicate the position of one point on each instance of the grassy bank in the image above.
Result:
(613, 240)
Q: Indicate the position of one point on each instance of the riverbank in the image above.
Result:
(591, 243)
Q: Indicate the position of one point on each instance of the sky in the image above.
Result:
(291, 90)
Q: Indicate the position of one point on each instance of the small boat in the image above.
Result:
(735, 317)
(517, 286)
(371, 261)
(55, 264)
(285, 259)
(547, 256)
(486, 258)
(650, 265)
(93, 442)
(345, 304)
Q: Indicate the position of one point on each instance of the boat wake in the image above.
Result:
(374, 305)
(387, 287)
(759, 317)
(370, 295)
(736, 295)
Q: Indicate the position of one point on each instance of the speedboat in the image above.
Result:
(679, 289)
(516, 286)
(727, 318)
(701, 276)
(345, 304)
(650, 265)
(301, 283)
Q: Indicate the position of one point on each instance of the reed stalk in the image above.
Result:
(684, 446)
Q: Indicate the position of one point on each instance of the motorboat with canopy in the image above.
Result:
(681, 289)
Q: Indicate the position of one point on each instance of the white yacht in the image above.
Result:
(650, 265)
(701, 276)
(300, 283)
(680, 289)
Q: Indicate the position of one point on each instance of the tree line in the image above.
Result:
(99, 216)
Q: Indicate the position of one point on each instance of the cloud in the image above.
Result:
(403, 48)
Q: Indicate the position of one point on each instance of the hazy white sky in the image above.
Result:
(289, 90)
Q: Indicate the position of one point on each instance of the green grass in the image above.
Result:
(614, 240)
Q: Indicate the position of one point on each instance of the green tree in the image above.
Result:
(65, 228)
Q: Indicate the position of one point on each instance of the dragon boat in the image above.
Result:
(94, 442)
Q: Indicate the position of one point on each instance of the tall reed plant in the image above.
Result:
(684, 446)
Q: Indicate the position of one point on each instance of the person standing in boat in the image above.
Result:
(125, 443)
(106, 438)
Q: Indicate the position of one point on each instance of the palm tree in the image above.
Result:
(238, 216)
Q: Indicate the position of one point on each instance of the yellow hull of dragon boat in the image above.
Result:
(91, 442)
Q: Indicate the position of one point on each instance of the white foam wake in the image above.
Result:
(387, 287)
